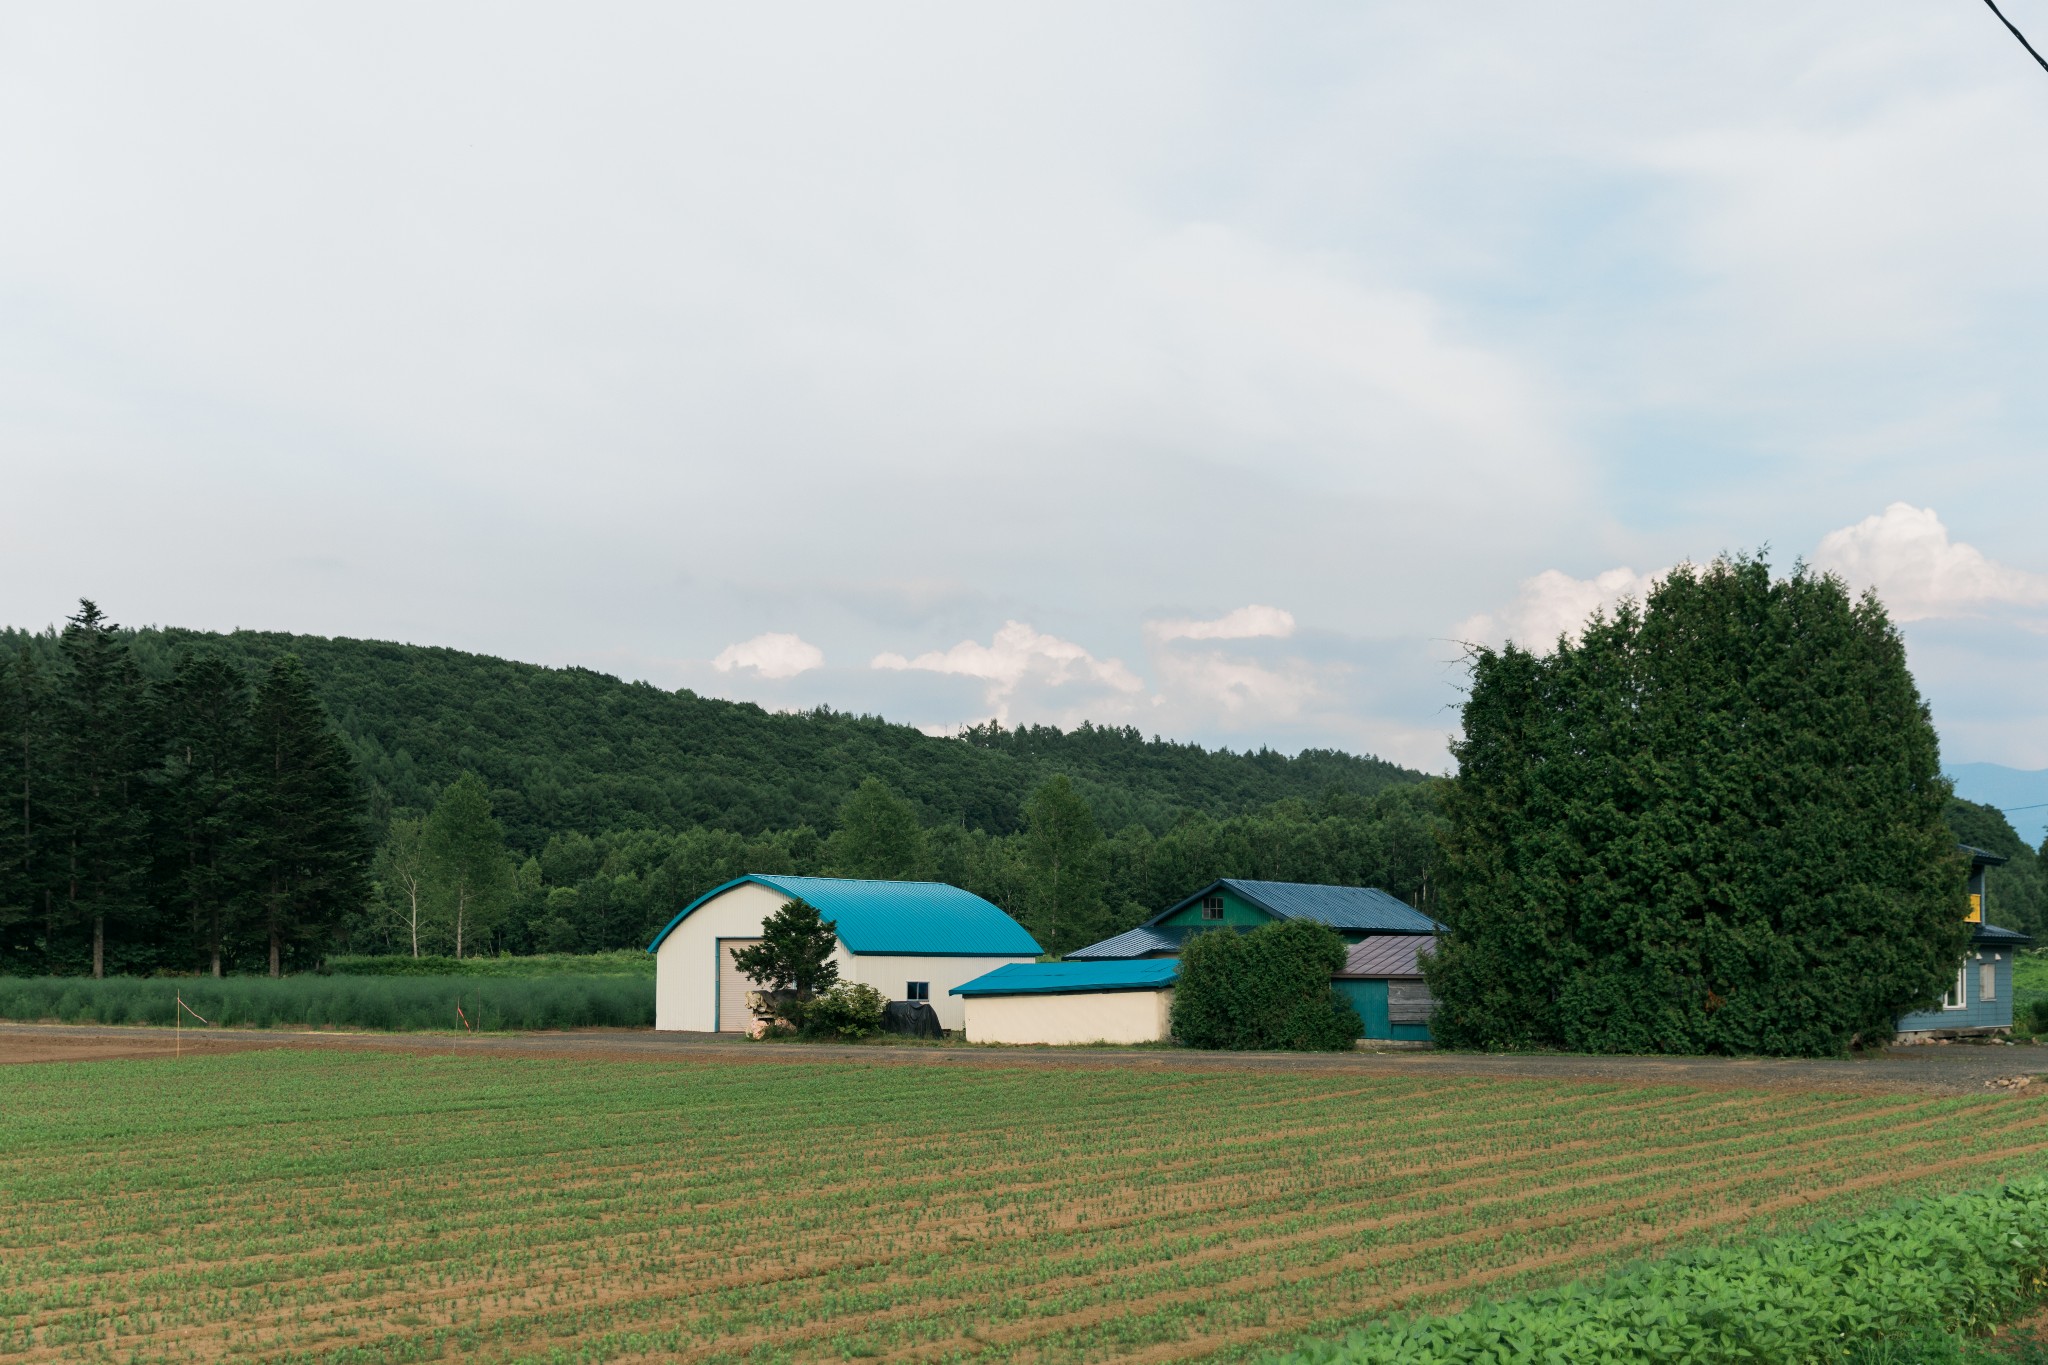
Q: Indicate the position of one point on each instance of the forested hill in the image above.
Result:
(572, 749)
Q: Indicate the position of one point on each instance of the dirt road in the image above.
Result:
(1957, 1069)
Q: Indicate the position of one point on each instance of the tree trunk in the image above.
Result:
(458, 927)
(412, 897)
(276, 955)
(99, 947)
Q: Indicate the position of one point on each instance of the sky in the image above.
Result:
(1217, 370)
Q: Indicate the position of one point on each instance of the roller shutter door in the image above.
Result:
(733, 1014)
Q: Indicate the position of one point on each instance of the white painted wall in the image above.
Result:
(686, 964)
(890, 975)
(1082, 1017)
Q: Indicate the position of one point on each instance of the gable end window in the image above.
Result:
(1212, 907)
(917, 990)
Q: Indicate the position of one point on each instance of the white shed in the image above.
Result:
(1127, 1001)
(909, 940)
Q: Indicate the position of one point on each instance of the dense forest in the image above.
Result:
(517, 808)
(487, 806)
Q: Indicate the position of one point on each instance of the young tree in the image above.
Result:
(1714, 823)
(401, 869)
(310, 856)
(1268, 989)
(102, 750)
(203, 790)
(878, 835)
(795, 952)
(468, 872)
(1063, 850)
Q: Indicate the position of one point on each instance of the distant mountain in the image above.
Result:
(2020, 793)
(570, 749)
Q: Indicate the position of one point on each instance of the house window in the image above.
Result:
(918, 990)
(1212, 907)
(1987, 981)
(1954, 999)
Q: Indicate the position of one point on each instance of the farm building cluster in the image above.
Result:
(984, 976)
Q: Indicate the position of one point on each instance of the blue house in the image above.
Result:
(1980, 1001)
(1387, 939)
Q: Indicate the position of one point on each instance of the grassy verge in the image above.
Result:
(365, 1002)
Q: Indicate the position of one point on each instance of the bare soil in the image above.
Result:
(1954, 1069)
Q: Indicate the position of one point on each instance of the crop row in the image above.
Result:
(363, 1207)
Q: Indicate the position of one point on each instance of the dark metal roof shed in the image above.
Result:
(1386, 957)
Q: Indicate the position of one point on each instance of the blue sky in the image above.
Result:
(1211, 369)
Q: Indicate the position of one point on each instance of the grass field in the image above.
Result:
(350, 1002)
(346, 1208)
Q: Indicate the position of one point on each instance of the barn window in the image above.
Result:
(918, 990)
(1987, 981)
(1954, 999)
(1212, 907)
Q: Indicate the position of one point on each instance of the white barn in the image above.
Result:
(1072, 1002)
(909, 940)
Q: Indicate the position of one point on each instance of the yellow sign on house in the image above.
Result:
(1976, 915)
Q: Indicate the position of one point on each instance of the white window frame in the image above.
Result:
(1959, 999)
(917, 990)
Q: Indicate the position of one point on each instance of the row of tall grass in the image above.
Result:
(620, 962)
(349, 1002)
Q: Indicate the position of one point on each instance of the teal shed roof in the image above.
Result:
(1074, 978)
(1361, 908)
(914, 919)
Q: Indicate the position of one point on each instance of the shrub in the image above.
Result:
(1890, 1286)
(848, 1010)
(1268, 989)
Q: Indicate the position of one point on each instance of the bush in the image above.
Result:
(1268, 989)
(367, 1002)
(1891, 1286)
(848, 1010)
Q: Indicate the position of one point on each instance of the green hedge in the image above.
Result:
(1266, 990)
(623, 962)
(362, 1002)
(1845, 1291)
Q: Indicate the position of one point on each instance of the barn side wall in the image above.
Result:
(1081, 1017)
(891, 974)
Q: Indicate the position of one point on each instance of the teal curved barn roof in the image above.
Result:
(914, 919)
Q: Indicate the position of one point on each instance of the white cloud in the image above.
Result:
(1246, 623)
(771, 655)
(1019, 655)
(1905, 553)
(1553, 604)
(1242, 689)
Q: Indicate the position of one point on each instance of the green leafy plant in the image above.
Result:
(849, 1010)
(1268, 989)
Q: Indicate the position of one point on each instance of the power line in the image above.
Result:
(2031, 53)
(2008, 810)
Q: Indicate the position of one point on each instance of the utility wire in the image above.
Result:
(2017, 34)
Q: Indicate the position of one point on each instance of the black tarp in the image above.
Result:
(912, 1019)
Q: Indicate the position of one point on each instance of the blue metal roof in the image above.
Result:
(1074, 978)
(1341, 907)
(915, 919)
(2004, 938)
(1137, 942)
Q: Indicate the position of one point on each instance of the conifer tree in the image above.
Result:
(1063, 849)
(1713, 824)
(204, 786)
(103, 748)
(27, 899)
(310, 854)
(468, 873)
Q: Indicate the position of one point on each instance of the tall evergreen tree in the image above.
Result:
(204, 786)
(309, 855)
(103, 749)
(27, 892)
(1712, 824)
(469, 874)
(878, 836)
